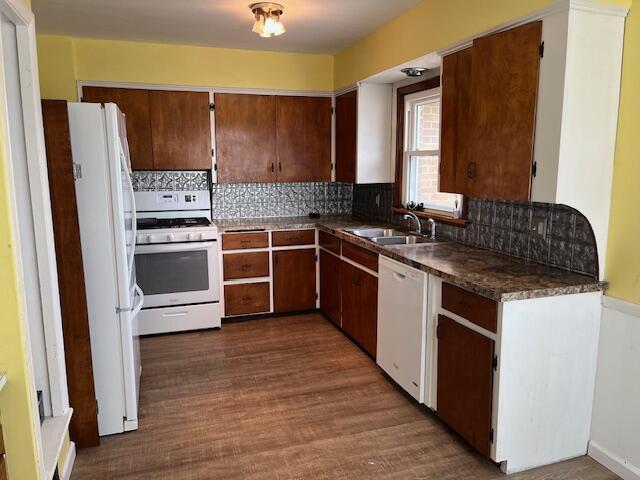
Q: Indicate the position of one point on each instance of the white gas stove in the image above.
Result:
(177, 262)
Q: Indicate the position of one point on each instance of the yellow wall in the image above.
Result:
(16, 399)
(63, 60)
(434, 24)
(623, 255)
(429, 26)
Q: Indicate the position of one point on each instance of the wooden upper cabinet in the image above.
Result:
(181, 130)
(134, 103)
(455, 122)
(504, 90)
(245, 138)
(346, 136)
(303, 132)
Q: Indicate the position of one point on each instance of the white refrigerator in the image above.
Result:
(107, 219)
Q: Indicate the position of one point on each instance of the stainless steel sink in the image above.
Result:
(376, 232)
(404, 240)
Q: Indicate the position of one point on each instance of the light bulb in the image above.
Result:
(279, 29)
(269, 25)
(258, 26)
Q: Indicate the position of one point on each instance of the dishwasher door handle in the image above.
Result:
(399, 276)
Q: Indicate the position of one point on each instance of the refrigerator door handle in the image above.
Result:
(138, 307)
(134, 218)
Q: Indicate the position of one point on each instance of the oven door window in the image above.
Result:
(173, 272)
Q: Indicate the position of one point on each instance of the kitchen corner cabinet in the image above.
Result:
(359, 293)
(294, 280)
(267, 138)
(330, 287)
(514, 378)
(166, 130)
(346, 114)
(363, 134)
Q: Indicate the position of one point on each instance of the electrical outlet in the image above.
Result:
(539, 227)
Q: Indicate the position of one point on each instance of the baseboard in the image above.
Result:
(67, 467)
(614, 463)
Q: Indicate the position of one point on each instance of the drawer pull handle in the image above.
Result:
(463, 304)
(245, 242)
(177, 314)
(246, 267)
(246, 300)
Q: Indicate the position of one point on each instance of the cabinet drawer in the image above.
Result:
(330, 242)
(360, 255)
(293, 237)
(475, 308)
(245, 265)
(237, 241)
(243, 299)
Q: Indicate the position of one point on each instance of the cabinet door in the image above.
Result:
(330, 287)
(134, 103)
(504, 90)
(454, 132)
(73, 300)
(465, 381)
(346, 136)
(294, 280)
(180, 130)
(245, 138)
(359, 291)
(303, 132)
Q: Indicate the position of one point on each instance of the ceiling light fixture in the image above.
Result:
(414, 71)
(267, 22)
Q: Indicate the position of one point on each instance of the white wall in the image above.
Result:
(615, 428)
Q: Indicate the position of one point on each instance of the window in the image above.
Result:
(421, 160)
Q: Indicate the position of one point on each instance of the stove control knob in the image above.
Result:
(170, 237)
(139, 238)
(195, 236)
(149, 238)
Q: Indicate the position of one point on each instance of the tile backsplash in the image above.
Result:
(151, 181)
(505, 227)
(260, 200)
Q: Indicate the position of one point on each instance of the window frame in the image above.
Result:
(403, 95)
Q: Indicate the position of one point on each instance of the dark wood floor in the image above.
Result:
(284, 398)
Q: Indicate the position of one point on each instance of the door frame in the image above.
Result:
(18, 13)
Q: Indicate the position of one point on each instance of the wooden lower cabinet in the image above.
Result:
(465, 382)
(330, 287)
(359, 306)
(246, 298)
(294, 280)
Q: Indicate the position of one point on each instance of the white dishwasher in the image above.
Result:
(402, 319)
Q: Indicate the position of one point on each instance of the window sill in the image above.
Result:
(437, 216)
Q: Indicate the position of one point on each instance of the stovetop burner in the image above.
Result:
(155, 223)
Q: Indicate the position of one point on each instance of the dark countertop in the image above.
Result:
(490, 274)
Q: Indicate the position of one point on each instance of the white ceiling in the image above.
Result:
(320, 26)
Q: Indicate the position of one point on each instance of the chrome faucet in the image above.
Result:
(414, 217)
(432, 228)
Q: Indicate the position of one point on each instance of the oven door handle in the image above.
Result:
(174, 247)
